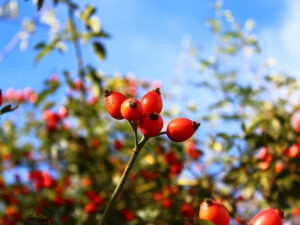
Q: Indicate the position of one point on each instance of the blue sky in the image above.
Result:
(148, 36)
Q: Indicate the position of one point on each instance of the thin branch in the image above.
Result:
(10, 46)
(75, 39)
(123, 179)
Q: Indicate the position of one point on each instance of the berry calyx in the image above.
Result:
(133, 104)
(131, 109)
(150, 124)
(196, 125)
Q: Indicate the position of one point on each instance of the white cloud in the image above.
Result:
(290, 30)
(283, 41)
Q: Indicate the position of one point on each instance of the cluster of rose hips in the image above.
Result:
(53, 119)
(145, 113)
(17, 96)
(217, 213)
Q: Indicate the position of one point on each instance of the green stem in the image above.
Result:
(124, 176)
(134, 129)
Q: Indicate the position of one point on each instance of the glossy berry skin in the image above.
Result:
(268, 216)
(150, 124)
(113, 102)
(131, 109)
(181, 129)
(214, 212)
(152, 101)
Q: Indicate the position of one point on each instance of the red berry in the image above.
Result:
(295, 121)
(63, 112)
(268, 216)
(192, 151)
(113, 102)
(131, 109)
(187, 210)
(215, 212)
(152, 101)
(150, 124)
(90, 208)
(181, 129)
(263, 153)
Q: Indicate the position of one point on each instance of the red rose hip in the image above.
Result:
(113, 102)
(131, 109)
(268, 216)
(150, 124)
(181, 129)
(152, 101)
(214, 212)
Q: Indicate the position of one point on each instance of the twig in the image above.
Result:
(123, 178)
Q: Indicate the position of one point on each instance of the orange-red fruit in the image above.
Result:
(279, 166)
(214, 212)
(191, 150)
(181, 129)
(113, 102)
(131, 109)
(263, 153)
(152, 101)
(268, 216)
(150, 124)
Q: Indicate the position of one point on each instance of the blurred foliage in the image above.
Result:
(65, 155)
(254, 108)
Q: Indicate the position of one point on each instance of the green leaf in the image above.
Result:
(39, 45)
(231, 34)
(94, 24)
(87, 13)
(8, 108)
(205, 64)
(223, 135)
(45, 49)
(205, 84)
(101, 34)
(230, 49)
(39, 4)
(86, 36)
(228, 116)
(49, 105)
(43, 95)
(202, 222)
(244, 127)
(220, 104)
(43, 52)
(215, 25)
(99, 50)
